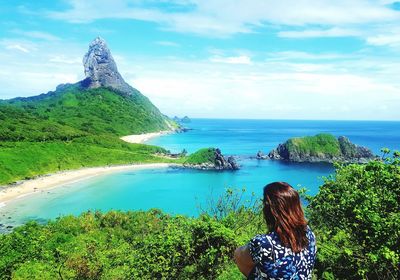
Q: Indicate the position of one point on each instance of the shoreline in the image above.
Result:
(46, 182)
(141, 138)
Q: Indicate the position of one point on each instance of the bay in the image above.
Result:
(181, 191)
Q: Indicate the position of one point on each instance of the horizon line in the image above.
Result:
(269, 119)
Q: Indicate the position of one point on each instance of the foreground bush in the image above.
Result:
(116, 245)
(356, 217)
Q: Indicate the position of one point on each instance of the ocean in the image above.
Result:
(184, 191)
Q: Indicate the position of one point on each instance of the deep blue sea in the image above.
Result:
(180, 191)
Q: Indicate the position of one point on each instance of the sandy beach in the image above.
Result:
(141, 138)
(46, 182)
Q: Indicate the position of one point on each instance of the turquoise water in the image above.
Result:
(179, 191)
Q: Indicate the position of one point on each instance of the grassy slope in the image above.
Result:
(74, 128)
(319, 144)
(206, 155)
(16, 124)
(99, 111)
(23, 160)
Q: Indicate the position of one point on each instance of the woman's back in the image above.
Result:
(275, 261)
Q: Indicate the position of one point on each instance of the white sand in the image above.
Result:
(141, 138)
(26, 187)
(46, 182)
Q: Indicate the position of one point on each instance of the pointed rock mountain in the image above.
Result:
(101, 69)
(103, 103)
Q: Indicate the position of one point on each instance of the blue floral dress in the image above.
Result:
(275, 261)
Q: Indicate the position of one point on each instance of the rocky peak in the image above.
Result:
(101, 69)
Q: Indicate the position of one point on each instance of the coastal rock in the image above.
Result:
(213, 159)
(101, 69)
(185, 119)
(261, 155)
(353, 151)
(321, 148)
(221, 163)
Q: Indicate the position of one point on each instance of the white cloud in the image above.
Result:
(65, 60)
(270, 90)
(21, 45)
(226, 17)
(234, 85)
(39, 70)
(37, 35)
(389, 37)
(241, 59)
(312, 33)
(17, 47)
(167, 44)
(298, 55)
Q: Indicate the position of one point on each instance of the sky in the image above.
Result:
(256, 59)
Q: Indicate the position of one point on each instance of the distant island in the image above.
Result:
(320, 148)
(185, 119)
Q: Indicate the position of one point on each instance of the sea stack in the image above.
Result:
(101, 69)
(321, 148)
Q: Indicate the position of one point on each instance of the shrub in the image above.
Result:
(356, 217)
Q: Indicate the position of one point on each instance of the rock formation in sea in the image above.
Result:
(261, 155)
(226, 164)
(101, 69)
(321, 148)
(211, 159)
(185, 119)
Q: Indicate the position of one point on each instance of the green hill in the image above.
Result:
(78, 125)
(100, 111)
(73, 128)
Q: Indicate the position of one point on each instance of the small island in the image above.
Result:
(210, 159)
(185, 119)
(321, 148)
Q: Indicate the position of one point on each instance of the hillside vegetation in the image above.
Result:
(355, 217)
(321, 148)
(205, 155)
(73, 128)
(322, 143)
(95, 111)
(25, 160)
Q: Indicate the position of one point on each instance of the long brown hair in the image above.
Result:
(283, 214)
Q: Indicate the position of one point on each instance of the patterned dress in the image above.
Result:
(275, 261)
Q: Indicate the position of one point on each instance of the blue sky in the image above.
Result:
(303, 59)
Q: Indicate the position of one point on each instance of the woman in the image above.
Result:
(288, 251)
